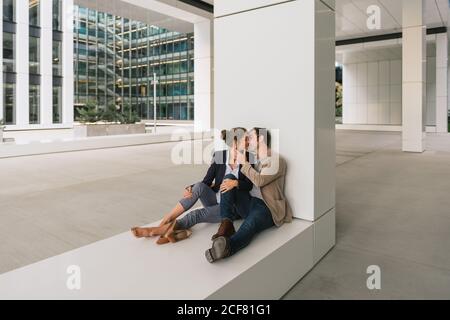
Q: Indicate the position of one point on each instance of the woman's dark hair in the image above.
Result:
(233, 135)
(265, 133)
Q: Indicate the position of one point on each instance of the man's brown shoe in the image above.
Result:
(226, 229)
(220, 250)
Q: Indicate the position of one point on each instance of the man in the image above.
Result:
(261, 208)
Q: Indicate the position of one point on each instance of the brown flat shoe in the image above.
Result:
(178, 235)
(163, 239)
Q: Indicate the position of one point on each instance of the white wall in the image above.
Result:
(431, 92)
(372, 93)
(1, 63)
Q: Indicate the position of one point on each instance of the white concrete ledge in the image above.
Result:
(369, 127)
(123, 267)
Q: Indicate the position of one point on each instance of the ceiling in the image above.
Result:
(351, 16)
(351, 23)
(134, 12)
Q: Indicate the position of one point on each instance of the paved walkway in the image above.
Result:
(392, 210)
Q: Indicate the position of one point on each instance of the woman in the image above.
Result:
(208, 192)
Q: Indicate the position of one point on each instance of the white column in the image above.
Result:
(67, 62)
(448, 63)
(414, 76)
(46, 8)
(203, 76)
(1, 63)
(441, 83)
(22, 63)
(274, 68)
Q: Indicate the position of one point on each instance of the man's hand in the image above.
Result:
(241, 157)
(187, 192)
(227, 185)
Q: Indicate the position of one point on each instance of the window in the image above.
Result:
(191, 110)
(57, 10)
(184, 66)
(183, 111)
(183, 88)
(34, 55)
(92, 71)
(9, 10)
(34, 104)
(9, 102)
(57, 66)
(57, 105)
(82, 68)
(82, 88)
(34, 13)
(82, 28)
(8, 52)
(176, 111)
(115, 59)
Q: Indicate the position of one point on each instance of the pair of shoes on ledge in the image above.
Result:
(167, 233)
(174, 236)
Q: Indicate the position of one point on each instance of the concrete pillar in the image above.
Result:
(203, 76)
(414, 76)
(275, 68)
(441, 83)
(448, 64)
(287, 85)
(46, 8)
(67, 63)
(1, 64)
(22, 63)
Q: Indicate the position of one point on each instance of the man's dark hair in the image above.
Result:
(266, 134)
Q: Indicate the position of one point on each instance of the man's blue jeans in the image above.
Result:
(237, 204)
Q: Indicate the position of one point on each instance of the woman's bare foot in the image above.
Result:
(143, 232)
(152, 232)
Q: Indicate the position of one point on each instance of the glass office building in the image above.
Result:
(31, 94)
(115, 60)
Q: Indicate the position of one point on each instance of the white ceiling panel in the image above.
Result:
(351, 16)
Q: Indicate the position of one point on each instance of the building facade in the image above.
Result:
(56, 56)
(37, 64)
(115, 60)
